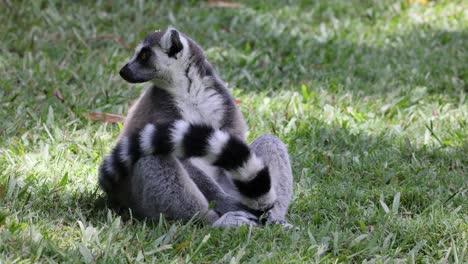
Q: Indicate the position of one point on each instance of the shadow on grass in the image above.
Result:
(342, 179)
(423, 57)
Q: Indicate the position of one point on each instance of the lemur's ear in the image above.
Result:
(171, 42)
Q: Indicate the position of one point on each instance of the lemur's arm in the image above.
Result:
(185, 140)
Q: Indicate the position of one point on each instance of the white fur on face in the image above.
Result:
(137, 50)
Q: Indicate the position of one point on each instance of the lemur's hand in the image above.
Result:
(269, 219)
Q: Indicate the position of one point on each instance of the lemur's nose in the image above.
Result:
(125, 71)
(128, 75)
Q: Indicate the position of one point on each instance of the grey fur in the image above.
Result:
(275, 155)
(160, 185)
(155, 105)
(212, 191)
(236, 218)
(180, 189)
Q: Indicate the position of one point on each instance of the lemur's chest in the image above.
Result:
(199, 103)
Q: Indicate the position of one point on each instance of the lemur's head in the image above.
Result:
(156, 57)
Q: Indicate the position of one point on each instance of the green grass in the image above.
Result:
(369, 96)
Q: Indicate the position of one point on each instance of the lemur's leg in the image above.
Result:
(275, 155)
(161, 185)
(223, 202)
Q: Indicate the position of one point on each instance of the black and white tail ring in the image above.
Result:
(185, 140)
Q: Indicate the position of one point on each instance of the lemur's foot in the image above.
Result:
(269, 219)
(235, 219)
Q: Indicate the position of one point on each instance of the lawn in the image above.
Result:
(369, 96)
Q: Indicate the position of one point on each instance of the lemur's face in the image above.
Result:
(155, 57)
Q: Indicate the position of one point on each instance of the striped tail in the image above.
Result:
(186, 140)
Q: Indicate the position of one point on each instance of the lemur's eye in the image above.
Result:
(144, 54)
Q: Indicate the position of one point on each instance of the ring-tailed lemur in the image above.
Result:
(183, 144)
